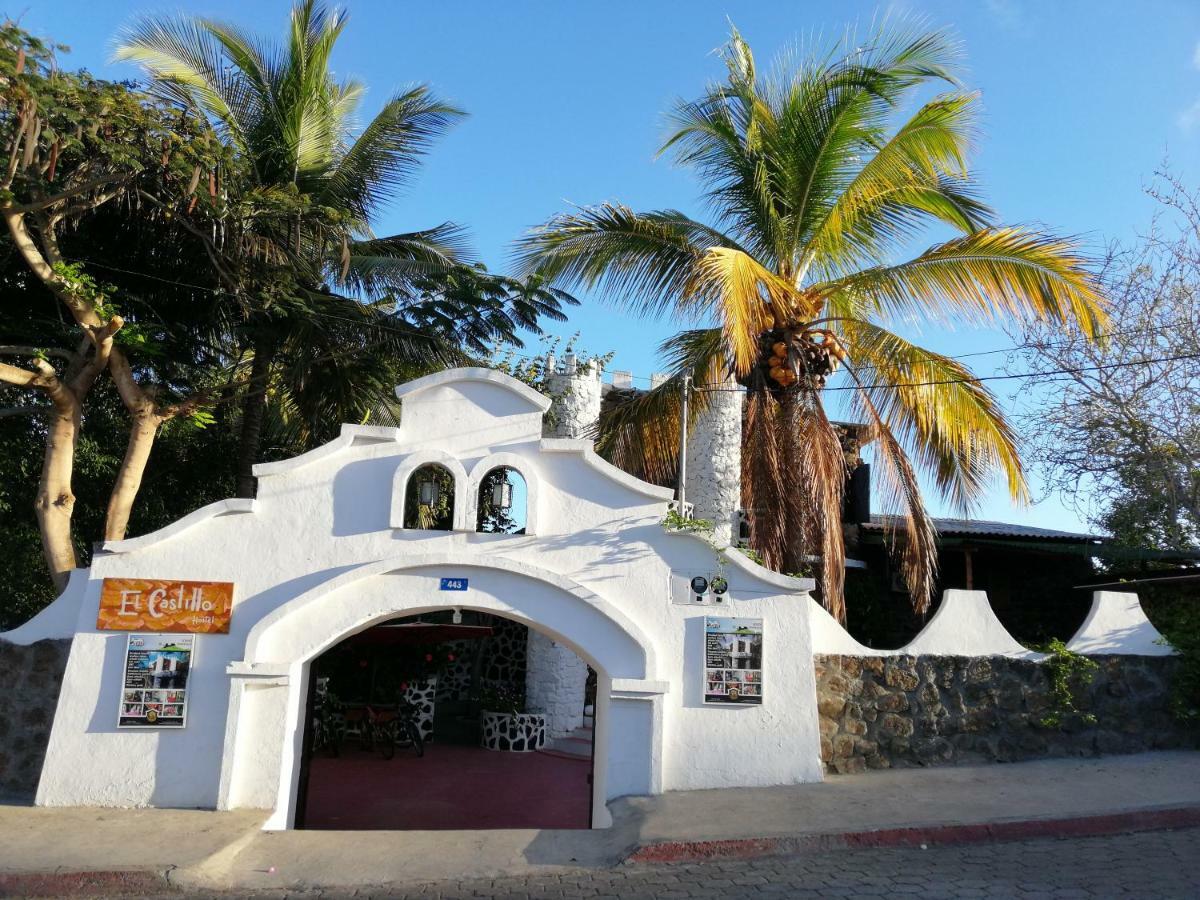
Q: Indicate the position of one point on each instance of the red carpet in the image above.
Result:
(451, 787)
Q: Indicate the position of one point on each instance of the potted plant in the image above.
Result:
(503, 723)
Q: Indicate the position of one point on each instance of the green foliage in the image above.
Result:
(1175, 613)
(502, 697)
(752, 554)
(674, 520)
(1070, 673)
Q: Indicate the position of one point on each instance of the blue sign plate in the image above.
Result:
(453, 584)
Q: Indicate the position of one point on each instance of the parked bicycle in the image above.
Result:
(390, 728)
(328, 723)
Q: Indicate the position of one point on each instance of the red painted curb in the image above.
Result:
(81, 884)
(938, 835)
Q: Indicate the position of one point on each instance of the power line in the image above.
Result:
(717, 388)
(1007, 377)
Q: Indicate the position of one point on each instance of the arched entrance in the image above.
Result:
(440, 721)
(270, 687)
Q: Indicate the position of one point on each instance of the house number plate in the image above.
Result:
(453, 584)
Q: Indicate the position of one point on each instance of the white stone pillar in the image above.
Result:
(555, 678)
(555, 683)
(576, 393)
(714, 461)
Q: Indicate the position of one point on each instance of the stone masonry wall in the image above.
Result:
(714, 462)
(877, 712)
(30, 677)
(555, 684)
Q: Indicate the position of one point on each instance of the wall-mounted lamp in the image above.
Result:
(502, 495)
(427, 492)
(457, 617)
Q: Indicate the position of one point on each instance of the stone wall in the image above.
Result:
(555, 684)
(877, 712)
(30, 677)
(714, 462)
(576, 392)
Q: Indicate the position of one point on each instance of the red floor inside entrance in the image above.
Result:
(451, 787)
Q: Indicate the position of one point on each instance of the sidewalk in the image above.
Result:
(208, 850)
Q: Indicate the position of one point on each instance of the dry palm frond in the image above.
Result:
(900, 492)
(820, 473)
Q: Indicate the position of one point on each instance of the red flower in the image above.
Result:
(404, 685)
(428, 657)
(449, 657)
(362, 664)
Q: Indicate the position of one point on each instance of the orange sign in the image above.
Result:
(136, 604)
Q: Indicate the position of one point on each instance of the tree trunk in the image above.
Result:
(142, 431)
(55, 500)
(254, 407)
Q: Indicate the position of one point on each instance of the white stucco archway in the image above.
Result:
(280, 649)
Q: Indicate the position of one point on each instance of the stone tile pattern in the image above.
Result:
(501, 659)
(877, 712)
(1152, 864)
(555, 684)
(714, 461)
(512, 732)
(30, 677)
(422, 695)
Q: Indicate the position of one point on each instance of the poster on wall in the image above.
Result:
(155, 687)
(733, 660)
(153, 604)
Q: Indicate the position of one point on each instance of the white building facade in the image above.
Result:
(321, 553)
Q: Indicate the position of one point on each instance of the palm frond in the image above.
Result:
(919, 175)
(390, 148)
(951, 424)
(186, 61)
(641, 433)
(645, 262)
(981, 277)
(900, 493)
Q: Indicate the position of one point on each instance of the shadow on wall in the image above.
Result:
(362, 496)
(31, 675)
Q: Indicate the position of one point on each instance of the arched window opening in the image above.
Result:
(429, 499)
(503, 502)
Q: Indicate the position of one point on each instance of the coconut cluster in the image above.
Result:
(798, 356)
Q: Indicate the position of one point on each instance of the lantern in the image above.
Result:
(427, 492)
(502, 495)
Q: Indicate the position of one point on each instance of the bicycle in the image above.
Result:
(392, 727)
(327, 723)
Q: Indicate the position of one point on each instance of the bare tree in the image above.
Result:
(1117, 430)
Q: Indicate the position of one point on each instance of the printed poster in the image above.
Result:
(146, 604)
(733, 660)
(155, 688)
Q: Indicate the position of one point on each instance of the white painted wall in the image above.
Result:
(555, 683)
(714, 462)
(316, 557)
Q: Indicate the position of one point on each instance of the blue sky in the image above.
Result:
(1081, 102)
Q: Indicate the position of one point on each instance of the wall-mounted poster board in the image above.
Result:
(155, 604)
(733, 660)
(155, 688)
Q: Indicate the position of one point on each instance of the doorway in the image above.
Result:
(498, 740)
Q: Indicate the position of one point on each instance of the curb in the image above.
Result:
(920, 836)
(83, 884)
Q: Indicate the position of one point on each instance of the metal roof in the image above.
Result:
(981, 528)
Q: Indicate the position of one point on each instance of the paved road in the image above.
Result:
(1149, 865)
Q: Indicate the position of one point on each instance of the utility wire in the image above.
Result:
(719, 387)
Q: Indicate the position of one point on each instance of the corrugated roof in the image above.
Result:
(981, 528)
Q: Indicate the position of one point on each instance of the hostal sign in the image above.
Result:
(136, 604)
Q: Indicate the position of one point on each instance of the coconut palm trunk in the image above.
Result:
(818, 177)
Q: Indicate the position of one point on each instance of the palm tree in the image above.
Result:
(814, 188)
(294, 216)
